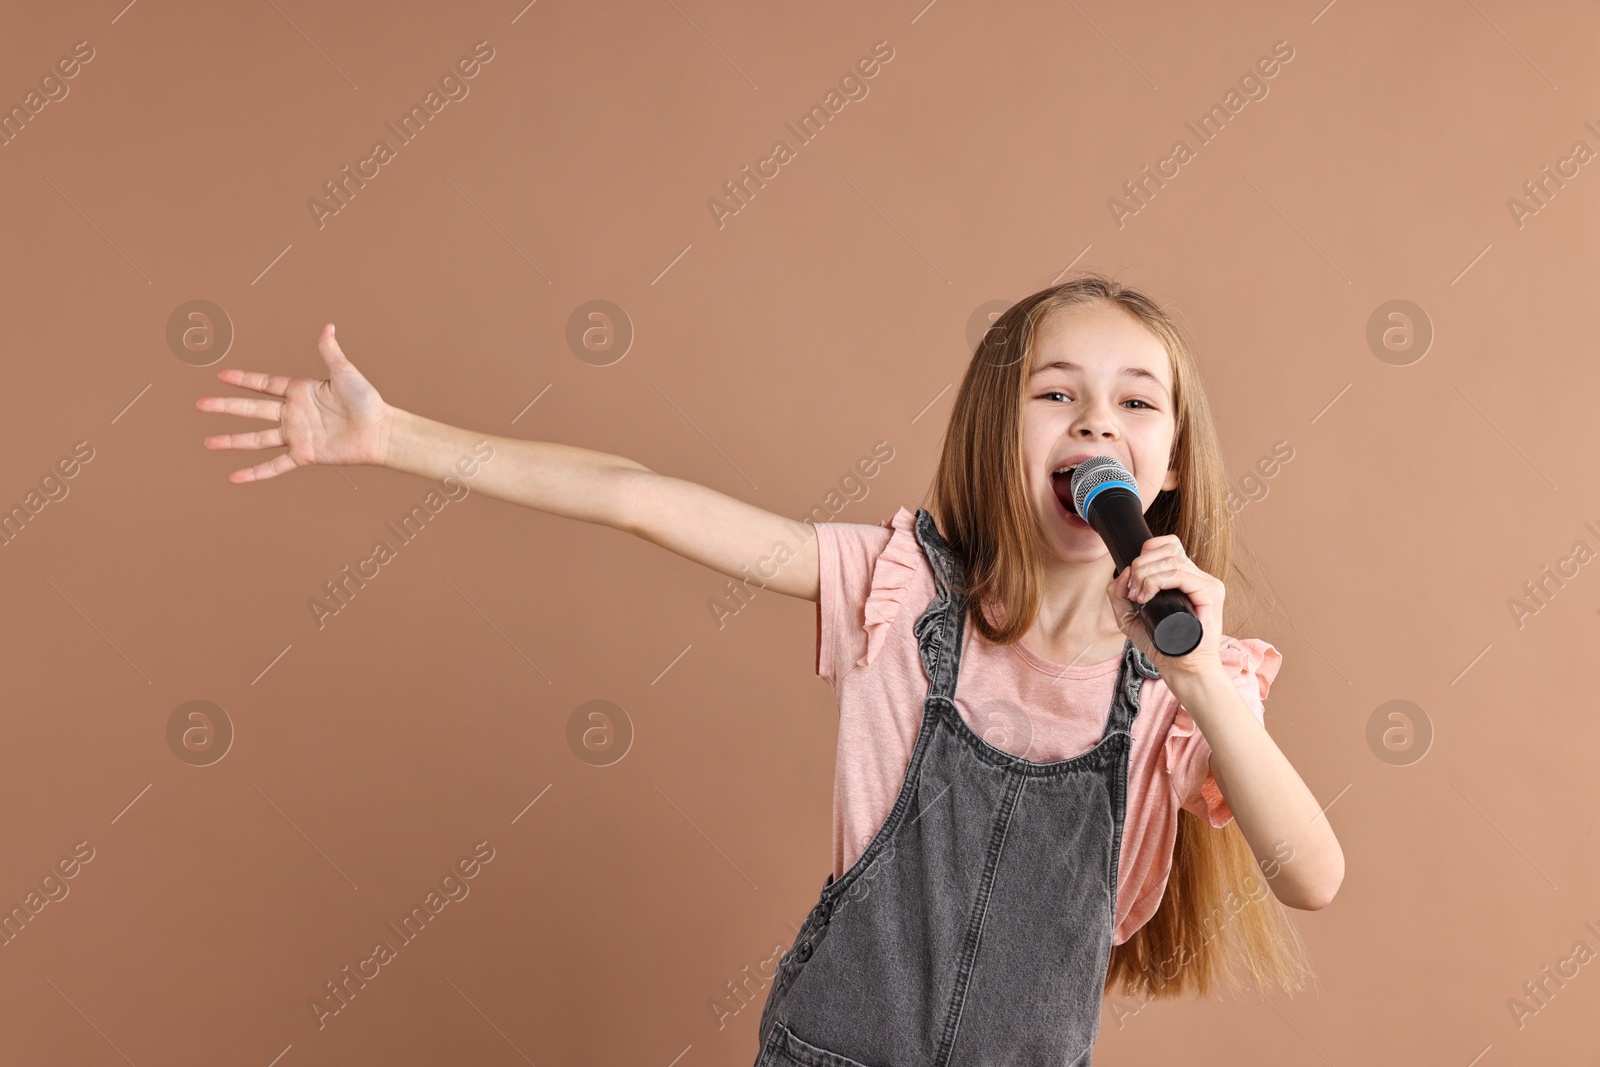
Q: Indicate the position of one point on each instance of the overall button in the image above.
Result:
(825, 910)
(803, 953)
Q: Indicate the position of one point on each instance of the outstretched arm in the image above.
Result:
(342, 419)
(693, 520)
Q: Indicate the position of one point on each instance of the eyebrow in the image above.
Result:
(1128, 372)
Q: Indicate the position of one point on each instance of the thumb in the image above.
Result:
(332, 355)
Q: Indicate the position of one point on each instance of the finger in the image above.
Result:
(1152, 581)
(1156, 551)
(1122, 583)
(1162, 550)
(262, 471)
(1155, 561)
(1185, 577)
(260, 381)
(332, 354)
(1125, 606)
(248, 406)
(272, 438)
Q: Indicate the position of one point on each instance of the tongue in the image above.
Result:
(1062, 484)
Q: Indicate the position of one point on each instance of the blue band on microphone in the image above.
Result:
(1102, 487)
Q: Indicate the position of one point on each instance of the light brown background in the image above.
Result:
(769, 355)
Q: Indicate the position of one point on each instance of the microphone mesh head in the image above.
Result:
(1093, 474)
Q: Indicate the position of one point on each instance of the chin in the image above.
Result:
(1072, 542)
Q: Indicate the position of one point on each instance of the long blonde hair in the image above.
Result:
(1217, 905)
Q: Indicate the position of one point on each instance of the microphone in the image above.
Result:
(1103, 494)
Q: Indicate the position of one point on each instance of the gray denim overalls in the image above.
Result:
(976, 928)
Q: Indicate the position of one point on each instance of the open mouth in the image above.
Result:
(1061, 483)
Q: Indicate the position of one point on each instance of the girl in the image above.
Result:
(1005, 851)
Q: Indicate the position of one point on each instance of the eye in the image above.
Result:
(1144, 404)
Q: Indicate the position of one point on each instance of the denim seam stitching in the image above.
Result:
(974, 937)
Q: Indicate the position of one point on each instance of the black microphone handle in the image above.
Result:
(1168, 616)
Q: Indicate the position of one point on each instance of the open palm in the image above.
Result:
(339, 419)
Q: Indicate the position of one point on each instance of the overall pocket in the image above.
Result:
(784, 1049)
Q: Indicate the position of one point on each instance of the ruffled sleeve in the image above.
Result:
(1252, 664)
(867, 574)
(893, 575)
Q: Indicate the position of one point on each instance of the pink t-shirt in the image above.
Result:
(875, 584)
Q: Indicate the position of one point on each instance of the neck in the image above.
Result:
(1075, 623)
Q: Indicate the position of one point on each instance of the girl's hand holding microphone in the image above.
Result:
(340, 419)
(1163, 564)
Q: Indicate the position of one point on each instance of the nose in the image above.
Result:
(1094, 419)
